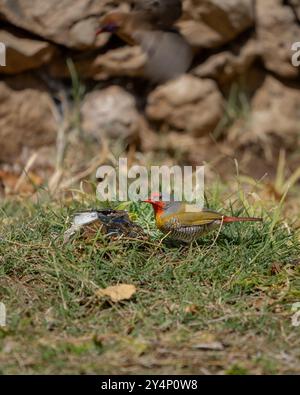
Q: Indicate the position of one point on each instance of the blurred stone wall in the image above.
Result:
(243, 52)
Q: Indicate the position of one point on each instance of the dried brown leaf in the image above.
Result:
(117, 293)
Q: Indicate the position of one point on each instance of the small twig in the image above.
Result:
(24, 174)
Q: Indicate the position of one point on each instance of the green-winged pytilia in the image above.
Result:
(187, 222)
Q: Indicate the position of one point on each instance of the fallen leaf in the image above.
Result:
(12, 183)
(117, 293)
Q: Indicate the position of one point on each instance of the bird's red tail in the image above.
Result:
(228, 220)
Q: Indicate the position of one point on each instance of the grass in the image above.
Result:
(237, 290)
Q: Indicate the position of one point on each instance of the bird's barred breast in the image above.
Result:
(186, 233)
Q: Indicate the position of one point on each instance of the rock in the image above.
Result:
(24, 54)
(27, 117)
(82, 34)
(274, 118)
(226, 66)
(68, 22)
(211, 23)
(277, 30)
(125, 61)
(112, 113)
(120, 62)
(295, 4)
(188, 103)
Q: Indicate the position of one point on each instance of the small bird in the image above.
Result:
(151, 25)
(187, 222)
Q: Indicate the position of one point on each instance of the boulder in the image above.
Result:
(125, 61)
(295, 4)
(187, 103)
(111, 113)
(274, 117)
(27, 117)
(225, 66)
(68, 22)
(24, 54)
(277, 30)
(212, 23)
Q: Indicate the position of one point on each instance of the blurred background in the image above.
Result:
(70, 102)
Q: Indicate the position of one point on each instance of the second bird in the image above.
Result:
(151, 25)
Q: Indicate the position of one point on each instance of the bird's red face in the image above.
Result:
(157, 204)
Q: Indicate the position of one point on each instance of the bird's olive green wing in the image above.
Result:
(197, 218)
(163, 13)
